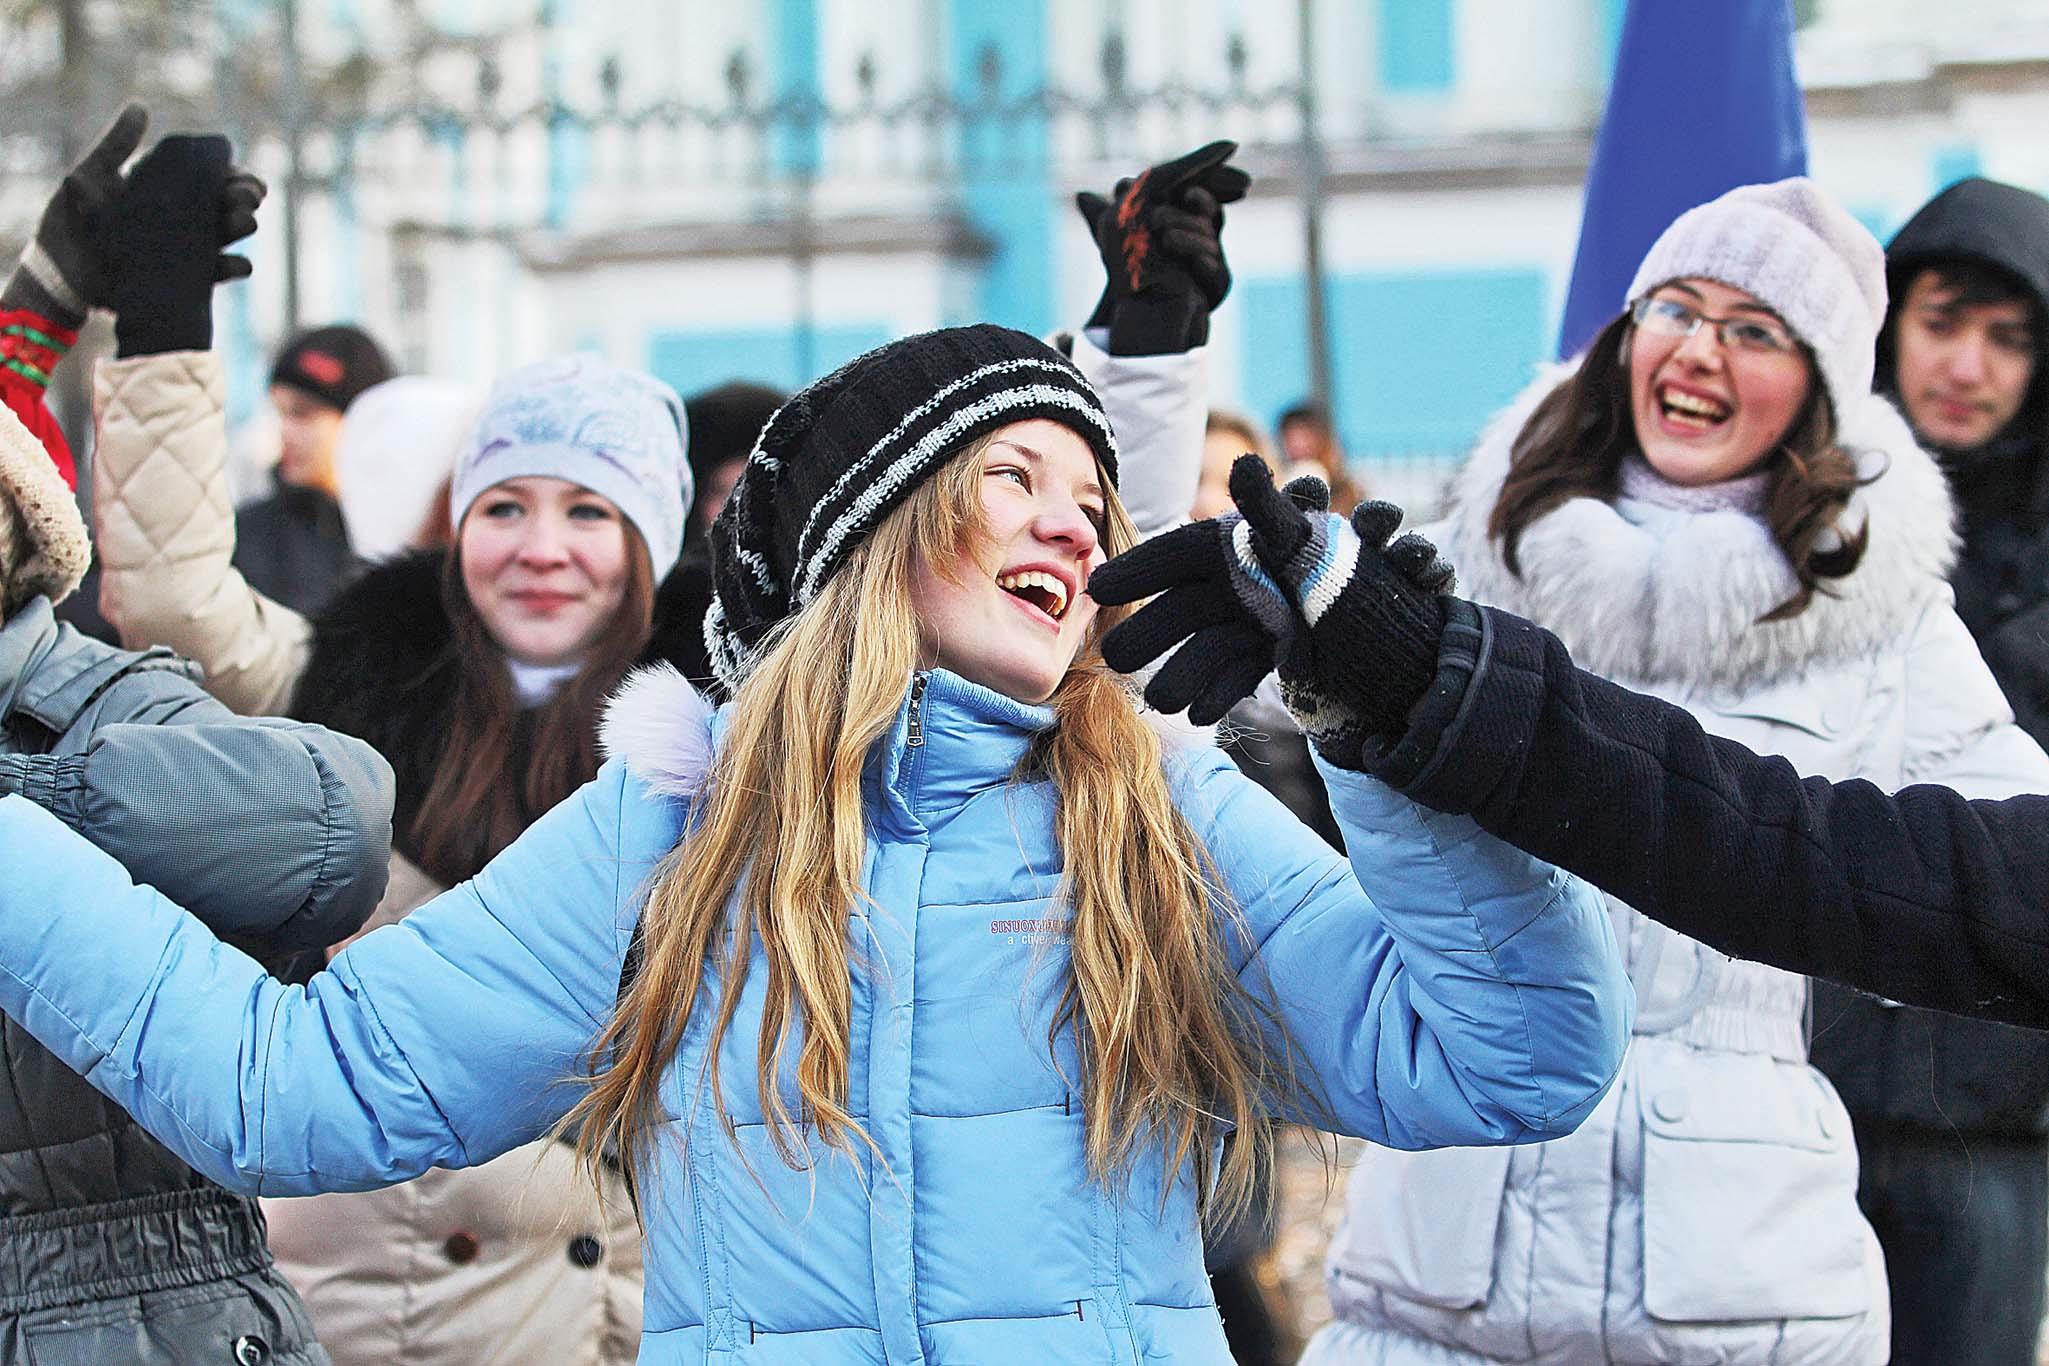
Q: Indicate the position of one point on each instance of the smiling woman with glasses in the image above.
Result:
(1709, 505)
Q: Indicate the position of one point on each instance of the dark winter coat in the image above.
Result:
(293, 547)
(1919, 896)
(272, 832)
(383, 666)
(1911, 1068)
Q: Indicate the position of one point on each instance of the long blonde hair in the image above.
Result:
(1173, 1050)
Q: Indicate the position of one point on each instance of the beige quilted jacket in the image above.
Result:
(165, 527)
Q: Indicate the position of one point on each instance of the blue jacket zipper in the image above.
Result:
(915, 732)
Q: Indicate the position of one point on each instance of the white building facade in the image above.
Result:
(761, 188)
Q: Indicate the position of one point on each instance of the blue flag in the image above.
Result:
(1703, 100)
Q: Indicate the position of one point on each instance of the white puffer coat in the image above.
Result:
(1707, 1211)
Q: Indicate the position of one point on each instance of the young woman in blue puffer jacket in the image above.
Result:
(918, 985)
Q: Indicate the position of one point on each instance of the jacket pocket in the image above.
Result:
(1423, 1225)
(249, 1319)
(1750, 1195)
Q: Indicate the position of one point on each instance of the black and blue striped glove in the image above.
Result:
(1351, 622)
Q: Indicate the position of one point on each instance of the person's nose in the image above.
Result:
(1967, 360)
(1702, 348)
(542, 544)
(1063, 522)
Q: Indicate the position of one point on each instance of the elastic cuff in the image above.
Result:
(1439, 714)
(50, 782)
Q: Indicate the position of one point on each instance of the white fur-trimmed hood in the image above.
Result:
(1681, 607)
(662, 726)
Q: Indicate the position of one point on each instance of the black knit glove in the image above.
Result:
(60, 275)
(1352, 623)
(1160, 236)
(161, 241)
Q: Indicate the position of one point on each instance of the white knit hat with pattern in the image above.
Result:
(1801, 255)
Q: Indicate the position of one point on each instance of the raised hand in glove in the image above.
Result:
(60, 276)
(161, 240)
(1160, 236)
(1351, 622)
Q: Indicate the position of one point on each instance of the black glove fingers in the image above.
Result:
(1375, 521)
(1278, 527)
(1092, 206)
(1226, 184)
(1242, 662)
(1169, 176)
(1308, 492)
(240, 198)
(1166, 621)
(1416, 560)
(1181, 233)
(244, 189)
(1185, 554)
(226, 268)
(1197, 201)
(1191, 672)
(101, 167)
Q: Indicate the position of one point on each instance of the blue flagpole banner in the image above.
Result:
(1703, 100)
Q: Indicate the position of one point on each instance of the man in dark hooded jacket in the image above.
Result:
(1952, 1115)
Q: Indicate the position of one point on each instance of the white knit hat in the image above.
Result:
(619, 433)
(43, 545)
(1799, 254)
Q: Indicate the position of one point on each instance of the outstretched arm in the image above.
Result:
(1922, 896)
(443, 1040)
(1443, 990)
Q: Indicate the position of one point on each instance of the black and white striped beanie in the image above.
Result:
(842, 454)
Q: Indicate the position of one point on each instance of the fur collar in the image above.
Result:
(1676, 601)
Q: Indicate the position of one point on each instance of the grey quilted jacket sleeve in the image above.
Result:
(265, 828)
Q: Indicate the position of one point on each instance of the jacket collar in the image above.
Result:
(951, 739)
(1675, 600)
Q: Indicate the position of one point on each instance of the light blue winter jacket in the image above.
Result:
(1477, 999)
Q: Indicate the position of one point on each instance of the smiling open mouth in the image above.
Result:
(1692, 410)
(1038, 588)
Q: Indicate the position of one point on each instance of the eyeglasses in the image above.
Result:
(1753, 336)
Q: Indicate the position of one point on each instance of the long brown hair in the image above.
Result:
(1172, 1048)
(503, 766)
(1574, 442)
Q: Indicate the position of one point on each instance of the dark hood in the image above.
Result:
(1997, 225)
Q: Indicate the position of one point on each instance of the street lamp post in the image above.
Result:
(1321, 390)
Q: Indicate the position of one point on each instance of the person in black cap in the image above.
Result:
(293, 545)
